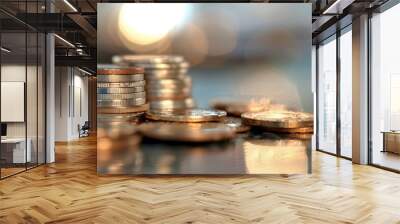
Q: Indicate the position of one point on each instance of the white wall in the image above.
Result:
(16, 73)
(70, 84)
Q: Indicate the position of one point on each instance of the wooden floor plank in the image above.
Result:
(69, 191)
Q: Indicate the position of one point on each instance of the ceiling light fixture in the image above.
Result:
(5, 50)
(64, 40)
(70, 5)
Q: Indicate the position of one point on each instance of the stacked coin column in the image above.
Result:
(168, 85)
(121, 95)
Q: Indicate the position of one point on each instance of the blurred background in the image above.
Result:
(236, 51)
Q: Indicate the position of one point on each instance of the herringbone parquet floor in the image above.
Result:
(69, 191)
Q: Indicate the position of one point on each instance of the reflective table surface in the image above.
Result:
(249, 153)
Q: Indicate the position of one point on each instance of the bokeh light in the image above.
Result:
(148, 23)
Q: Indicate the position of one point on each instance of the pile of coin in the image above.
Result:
(121, 95)
(167, 84)
(280, 121)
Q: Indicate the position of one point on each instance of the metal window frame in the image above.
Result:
(339, 32)
(381, 9)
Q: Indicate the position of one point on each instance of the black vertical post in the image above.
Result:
(26, 86)
(369, 96)
(338, 81)
(317, 96)
(37, 89)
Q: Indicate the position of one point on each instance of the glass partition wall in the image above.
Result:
(334, 81)
(22, 77)
(385, 89)
(327, 95)
(345, 93)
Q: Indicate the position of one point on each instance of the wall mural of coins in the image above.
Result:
(195, 98)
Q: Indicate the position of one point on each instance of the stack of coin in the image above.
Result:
(280, 121)
(115, 145)
(167, 84)
(121, 94)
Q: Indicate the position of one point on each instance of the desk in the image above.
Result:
(15, 148)
(391, 141)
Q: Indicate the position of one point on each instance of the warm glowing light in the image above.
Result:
(272, 156)
(148, 23)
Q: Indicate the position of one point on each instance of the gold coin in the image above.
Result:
(188, 115)
(278, 119)
(187, 132)
(305, 130)
(236, 124)
(122, 110)
(238, 107)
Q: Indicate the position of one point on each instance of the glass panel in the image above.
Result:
(327, 96)
(31, 98)
(41, 99)
(346, 94)
(386, 89)
(32, 88)
(13, 86)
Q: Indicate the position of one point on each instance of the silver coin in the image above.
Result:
(178, 71)
(279, 119)
(121, 103)
(120, 84)
(189, 115)
(166, 91)
(184, 132)
(163, 66)
(172, 104)
(122, 110)
(121, 118)
(150, 77)
(120, 96)
(120, 71)
(167, 96)
(236, 124)
(147, 59)
(170, 83)
(120, 78)
(115, 90)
